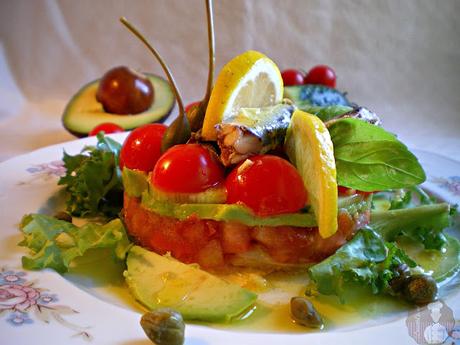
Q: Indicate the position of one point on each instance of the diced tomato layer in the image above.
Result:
(183, 239)
(287, 244)
(235, 238)
(213, 244)
(211, 254)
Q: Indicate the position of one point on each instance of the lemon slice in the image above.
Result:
(309, 147)
(250, 80)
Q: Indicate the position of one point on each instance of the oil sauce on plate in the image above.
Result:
(99, 275)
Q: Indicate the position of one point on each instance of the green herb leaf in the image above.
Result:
(402, 199)
(424, 224)
(324, 113)
(366, 259)
(93, 180)
(55, 243)
(368, 158)
(353, 261)
(108, 144)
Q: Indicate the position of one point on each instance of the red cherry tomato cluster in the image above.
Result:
(107, 128)
(292, 77)
(320, 74)
(267, 184)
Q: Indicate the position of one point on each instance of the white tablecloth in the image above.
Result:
(399, 58)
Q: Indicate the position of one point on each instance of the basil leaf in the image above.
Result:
(368, 158)
(324, 113)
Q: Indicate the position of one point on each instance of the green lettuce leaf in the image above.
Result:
(423, 224)
(93, 180)
(56, 243)
(366, 259)
(368, 158)
(372, 256)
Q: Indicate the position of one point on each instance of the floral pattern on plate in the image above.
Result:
(43, 172)
(54, 168)
(22, 301)
(451, 183)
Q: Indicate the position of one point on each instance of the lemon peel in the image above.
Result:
(250, 80)
(309, 147)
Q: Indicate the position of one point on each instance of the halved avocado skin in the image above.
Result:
(84, 112)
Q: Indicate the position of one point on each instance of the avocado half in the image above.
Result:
(84, 112)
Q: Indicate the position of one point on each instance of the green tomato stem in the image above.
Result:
(212, 55)
(167, 71)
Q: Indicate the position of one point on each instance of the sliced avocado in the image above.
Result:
(136, 185)
(84, 112)
(315, 95)
(227, 212)
(161, 281)
(136, 182)
(213, 195)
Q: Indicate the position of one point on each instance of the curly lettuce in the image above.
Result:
(55, 244)
(365, 259)
(372, 257)
(93, 180)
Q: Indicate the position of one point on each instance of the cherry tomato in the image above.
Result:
(142, 147)
(321, 74)
(191, 105)
(267, 184)
(345, 191)
(107, 128)
(292, 77)
(187, 168)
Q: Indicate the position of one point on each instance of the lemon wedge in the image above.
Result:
(309, 147)
(250, 80)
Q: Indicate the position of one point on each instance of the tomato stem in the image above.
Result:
(157, 55)
(179, 130)
(212, 55)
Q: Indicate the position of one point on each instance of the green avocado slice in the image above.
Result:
(209, 205)
(161, 281)
(84, 112)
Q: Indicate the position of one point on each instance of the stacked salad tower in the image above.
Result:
(256, 178)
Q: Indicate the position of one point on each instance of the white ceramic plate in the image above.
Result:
(46, 308)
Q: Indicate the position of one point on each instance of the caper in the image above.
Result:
(420, 289)
(304, 313)
(402, 274)
(63, 216)
(164, 326)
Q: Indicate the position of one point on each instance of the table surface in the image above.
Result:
(400, 59)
